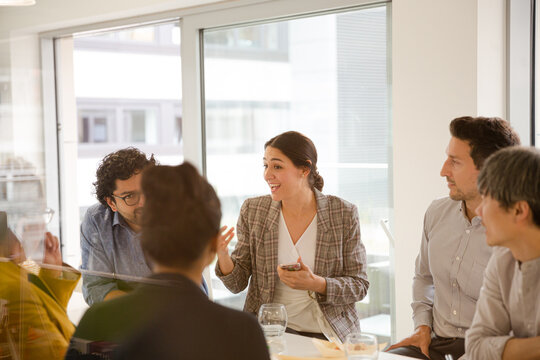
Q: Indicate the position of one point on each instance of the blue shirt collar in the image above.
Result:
(119, 220)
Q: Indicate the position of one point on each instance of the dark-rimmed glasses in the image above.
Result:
(130, 199)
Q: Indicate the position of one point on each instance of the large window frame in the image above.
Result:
(192, 22)
(293, 18)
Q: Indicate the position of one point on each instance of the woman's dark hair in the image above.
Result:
(485, 135)
(120, 165)
(181, 214)
(302, 152)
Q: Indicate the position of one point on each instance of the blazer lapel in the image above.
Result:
(323, 233)
(271, 247)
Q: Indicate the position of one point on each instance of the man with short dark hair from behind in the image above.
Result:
(506, 324)
(453, 253)
(168, 316)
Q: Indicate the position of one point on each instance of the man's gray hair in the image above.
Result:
(511, 175)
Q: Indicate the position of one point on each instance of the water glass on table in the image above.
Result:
(361, 346)
(273, 320)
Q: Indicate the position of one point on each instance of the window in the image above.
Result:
(234, 127)
(127, 92)
(163, 38)
(523, 71)
(331, 83)
(266, 41)
(141, 126)
(96, 126)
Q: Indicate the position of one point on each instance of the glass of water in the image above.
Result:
(273, 319)
(361, 346)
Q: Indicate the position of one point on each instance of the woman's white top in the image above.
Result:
(303, 312)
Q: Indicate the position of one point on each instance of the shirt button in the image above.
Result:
(460, 329)
(454, 284)
(457, 258)
(468, 231)
(454, 312)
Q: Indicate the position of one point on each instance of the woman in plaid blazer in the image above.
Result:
(337, 277)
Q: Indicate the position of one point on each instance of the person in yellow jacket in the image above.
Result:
(33, 319)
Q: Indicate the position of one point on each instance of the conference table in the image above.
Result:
(302, 347)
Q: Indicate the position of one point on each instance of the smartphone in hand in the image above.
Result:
(291, 267)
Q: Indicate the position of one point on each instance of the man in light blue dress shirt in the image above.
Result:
(453, 253)
(506, 324)
(109, 230)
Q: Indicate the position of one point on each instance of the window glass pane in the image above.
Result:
(144, 34)
(137, 126)
(119, 105)
(330, 83)
(267, 42)
(142, 125)
(100, 130)
(127, 91)
(175, 35)
(84, 129)
(96, 126)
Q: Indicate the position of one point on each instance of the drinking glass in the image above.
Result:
(361, 346)
(273, 319)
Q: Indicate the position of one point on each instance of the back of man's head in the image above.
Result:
(485, 135)
(121, 165)
(511, 175)
(182, 213)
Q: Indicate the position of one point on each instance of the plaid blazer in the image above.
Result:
(340, 257)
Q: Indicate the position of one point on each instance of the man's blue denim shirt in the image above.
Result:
(110, 246)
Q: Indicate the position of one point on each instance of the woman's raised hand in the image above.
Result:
(224, 238)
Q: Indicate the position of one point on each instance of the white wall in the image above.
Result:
(439, 73)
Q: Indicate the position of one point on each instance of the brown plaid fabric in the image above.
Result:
(340, 258)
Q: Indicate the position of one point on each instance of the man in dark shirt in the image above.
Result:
(169, 316)
(110, 229)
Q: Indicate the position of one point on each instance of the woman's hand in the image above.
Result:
(224, 238)
(52, 254)
(303, 279)
(224, 259)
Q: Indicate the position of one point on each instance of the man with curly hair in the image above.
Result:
(109, 230)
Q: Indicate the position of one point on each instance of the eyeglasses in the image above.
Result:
(130, 199)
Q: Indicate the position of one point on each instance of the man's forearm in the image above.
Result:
(522, 349)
